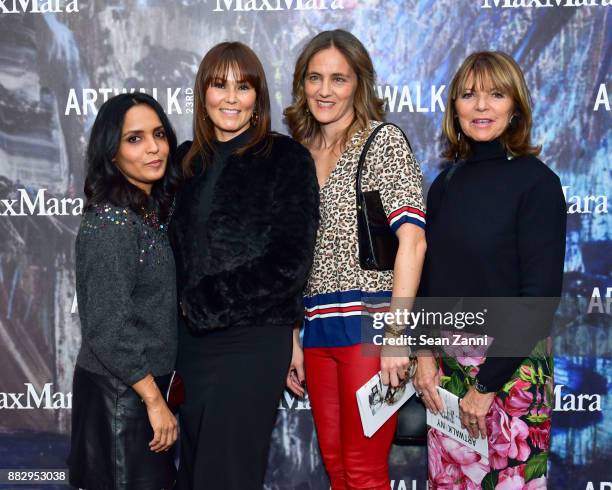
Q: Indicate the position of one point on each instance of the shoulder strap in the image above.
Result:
(366, 147)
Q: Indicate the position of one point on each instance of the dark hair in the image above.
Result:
(216, 65)
(368, 106)
(500, 71)
(104, 181)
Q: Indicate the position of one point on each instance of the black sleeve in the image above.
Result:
(424, 302)
(541, 244)
(281, 271)
(107, 260)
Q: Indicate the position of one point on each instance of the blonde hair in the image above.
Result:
(367, 105)
(498, 70)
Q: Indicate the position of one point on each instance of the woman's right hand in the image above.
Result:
(163, 422)
(426, 381)
(296, 376)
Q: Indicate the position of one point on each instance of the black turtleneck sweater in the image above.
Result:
(207, 179)
(497, 229)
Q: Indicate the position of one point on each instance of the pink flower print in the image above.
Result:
(451, 462)
(519, 432)
(536, 484)
(442, 472)
(511, 478)
(541, 407)
(527, 373)
(466, 355)
(540, 435)
(468, 460)
(498, 427)
(519, 399)
(471, 361)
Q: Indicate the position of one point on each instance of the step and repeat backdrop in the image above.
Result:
(60, 59)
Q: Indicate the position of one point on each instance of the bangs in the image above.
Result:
(484, 74)
(244, 70)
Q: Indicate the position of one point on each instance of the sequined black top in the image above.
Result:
(126, 292)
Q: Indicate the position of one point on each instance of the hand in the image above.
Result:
(296, 377)
(394, 364)
(160, 417)
(473, 408)
(163, 423)
(426, 381)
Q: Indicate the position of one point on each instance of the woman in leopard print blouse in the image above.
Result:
(334, 111)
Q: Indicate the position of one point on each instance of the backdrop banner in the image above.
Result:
(61, 59)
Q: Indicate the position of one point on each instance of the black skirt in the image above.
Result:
(110, 437)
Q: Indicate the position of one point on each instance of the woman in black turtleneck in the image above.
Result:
(496, 228)
(243, 236)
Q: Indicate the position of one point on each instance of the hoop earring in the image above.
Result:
(254, 118)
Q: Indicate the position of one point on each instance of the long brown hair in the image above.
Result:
(498, 70)
(367, 105)
(216, 65)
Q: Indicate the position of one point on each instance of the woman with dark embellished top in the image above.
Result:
(496, 230)
(243, 235)
(122, 428)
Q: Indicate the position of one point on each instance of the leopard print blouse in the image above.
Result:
(338, 289)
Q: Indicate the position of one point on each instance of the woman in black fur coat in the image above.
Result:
(243, 235)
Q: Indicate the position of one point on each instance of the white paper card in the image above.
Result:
(377, 404)
(449, 423)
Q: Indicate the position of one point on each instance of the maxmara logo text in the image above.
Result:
(487, 4)
(276, 5)
(38, 7)
(87, 101)
(39, 204)
(33, 398)
(578, 204)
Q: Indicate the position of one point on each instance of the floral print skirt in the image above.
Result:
(518, 428)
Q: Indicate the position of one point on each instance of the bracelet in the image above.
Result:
(479, 387)
(394, 332)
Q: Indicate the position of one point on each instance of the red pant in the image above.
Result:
(352, 460)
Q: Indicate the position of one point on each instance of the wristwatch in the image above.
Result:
(480, 388)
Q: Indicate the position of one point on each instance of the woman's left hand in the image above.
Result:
(394, 364)
(296, 377)
(473, 408)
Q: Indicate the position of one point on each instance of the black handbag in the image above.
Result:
(377, 242)
(411, 429)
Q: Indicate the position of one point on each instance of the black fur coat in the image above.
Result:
(249, 264)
